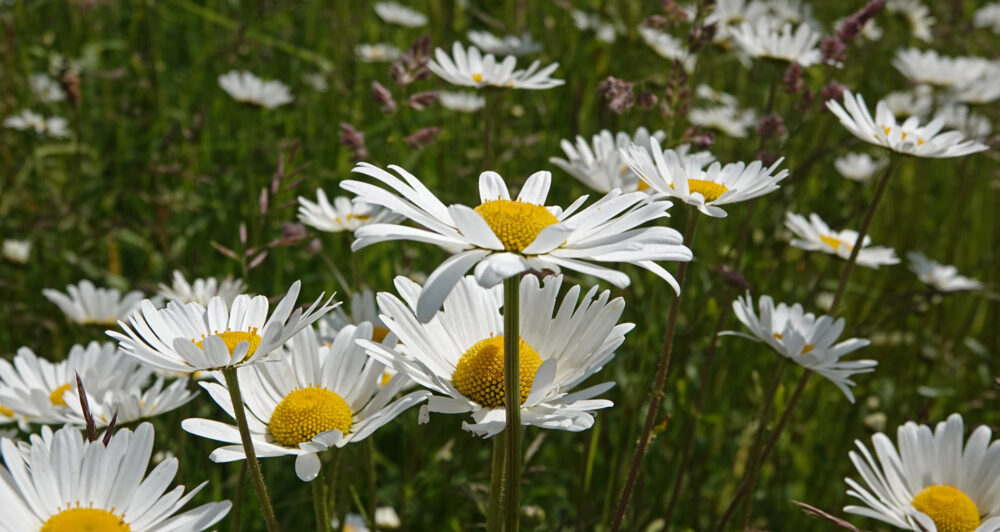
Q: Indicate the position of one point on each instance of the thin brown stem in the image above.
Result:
(512, 401)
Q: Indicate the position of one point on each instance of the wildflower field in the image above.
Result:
(738, 259)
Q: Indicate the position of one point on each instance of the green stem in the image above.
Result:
(370, 454)
(237, 512)
(319, 505)
(758, 439)
(253, 466)
(494, 514)
(512, 400)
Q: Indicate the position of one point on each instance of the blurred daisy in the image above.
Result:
(929, 67)
(858, 166)
(377, 53)
(814, 235)
(917, 15)
(988, 16)
(472, 69)
(728, 14)
(508, 45)
(790, 12)
(683, 178)
(909, 137)
(89, 305)
(706, 92)
(341, 215)
(981, 91)
(916, 102)
(247, 88)
(202, 290)
(185, 338)
(934, 482)
(458, 354)
(463, 102)
(398, 14)
(362, 310)
(69, 484)
(16, 250)
(45, 88)
(316, 80)
(761, 41)
(962, 119)
(942, 278)
(599, 165)
(584, 21)
(315, 398)
(804, 339)
(729, 120)
(54, 127)
(503, 237)
(385, 519)
(668, 47)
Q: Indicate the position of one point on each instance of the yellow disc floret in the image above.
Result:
(949, 508)
(56, 397)
(379, 334)
(516, 223)
(4, 411)
(709, 190)
(85, 520)
(306, 412)
(479, 373)
(834, 242)
(233, 339)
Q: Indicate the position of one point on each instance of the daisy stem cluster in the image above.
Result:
(512, 399)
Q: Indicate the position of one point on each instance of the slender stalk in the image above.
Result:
(512, 400)
(656, 394)
(758, 439)
(237, 512)
(490, 95)
(319, 505)
(494, 514)
(253, 466)
(370, 454)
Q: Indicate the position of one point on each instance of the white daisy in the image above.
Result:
(727, 119)
(463, 102)
(70, 484)
(459, 353)
(508, 45)
(202, 290)
(933, 483)
(943, 278)
(962, 119)
(981, 91)
(761, 41)
(185, 338)
(988, 16)
(683, 178)
(599, 165)
(728, 14)
(668, 47)
(89, 305)
(377, 53)
(815, 235)
(315, 398)
(605, 31)
(791, 12)
(341, 215)
(45, 88)
(927, 66)
(247, 88)
(503, 237)
(909, 137)
(916, 102)
(858, 166)
(472, 69)
(706, 92)
(804, 339)
(16, 250)
(55, 127)
(917, 15)
(362, 310)
(386, 518)
(395, 13)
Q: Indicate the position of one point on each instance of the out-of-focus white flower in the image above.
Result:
(26, 120)
(45, 88)
(814, 235)
(761, 41)
(916, 102)
(917, 15)
(247, 88)
(88, 305)
(508, 45)
(201, 290)
(706, 92)
(395, 13)
(668, 46)
(342, 214)
(377, 53)
(470, 68)
(960, 117)
(599, 165)
(791, 12)
(858, 166)
(927, 66)
(982, 91)
(16, 250)
(316, 80)
(463, 102)
(728, 14)
(386, 517)
(727, 119)
(943, 278)
(585, 21)
(988, 16)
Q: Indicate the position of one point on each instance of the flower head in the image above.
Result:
(814, 235)
(396, 13)
(927, 66)
(55, 127)
(988, 16)
(463, 102)
(45, 88)
(760, 40)
(668, 47)
(943, 278)
(17, 251)
(917, 15)
(858, 166)
(727, 119)
(472, 69)
(341, 215)
(508, 45)
(599, 165)
(377, 53)
(88, 305)
(247, 88)
(201, 290)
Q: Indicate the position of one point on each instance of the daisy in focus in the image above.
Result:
(935, 481)
(88, 305)
(55, 127)
(858, 166)
(503, 237)
(247, 88)
(201, 290)
(909, 137)
(185, 338)
(943, 278)
(599, 165)
(814, 235)
(762, 41)
(396, 13)
(66, 483)
(683, 178)
(316, 397)
(458, 354)
(509, 45)
(469, 68)
(463, 102)
(341, 215)
(377, 53)
(804, 339)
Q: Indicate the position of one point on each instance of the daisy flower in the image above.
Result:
(502, 237)
(386, 518)
(88, 305)
(727, 14)
(943, 278)
(981, 91)
(16, 250)
(727, 119)
(904, 104)
(858, 166)
(988, 16)
(315, 398)
(70, 484)
(509, 45)
(909, 137)
(804, 339)
(54, 127)
(605, 31)
(668, 47)
(934, 482)
(708, 93)
(917, 15)
(316, 80)
(814, 235)
(341, 215)
(761, 41)
(363, 310)
(45, 88)
(463, 102)
(472, 69)
(962, 119)
(458, 354)
(247, 88)
(683, 178)
(395, 13)
(933, 69)
(185, 338)
(599, 165)
(201, 290)
(377, 53)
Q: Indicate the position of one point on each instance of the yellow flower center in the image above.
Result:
(709, 190)
(85, 520)
(902, 136)
(516, 223)
(233, 339)
(835, 242)
(805, 349)
(56, 397)
(379, 334)
(949, 508)
(386, 377)
(479, 373)
(6, 412)
(478, 78)
(306, 412)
